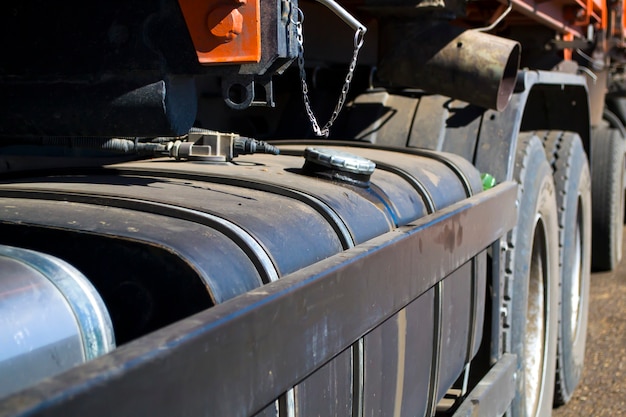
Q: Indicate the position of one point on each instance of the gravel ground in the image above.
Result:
(602, 391)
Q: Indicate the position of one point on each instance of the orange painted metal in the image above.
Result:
(623, 21)
(591, 10)
(224, 31)
(567, 17)
(567, 52)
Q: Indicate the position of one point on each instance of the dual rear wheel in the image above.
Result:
(546, 293)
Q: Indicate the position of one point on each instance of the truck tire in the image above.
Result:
(616, 122)
(607, 196)
(572, 180)
(532, 288)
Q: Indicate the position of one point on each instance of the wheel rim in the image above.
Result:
(535, 343)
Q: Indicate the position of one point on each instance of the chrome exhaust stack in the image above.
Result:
(468, 65)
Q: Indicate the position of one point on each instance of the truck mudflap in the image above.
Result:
(265, 286)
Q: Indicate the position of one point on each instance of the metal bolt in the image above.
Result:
(226, 22)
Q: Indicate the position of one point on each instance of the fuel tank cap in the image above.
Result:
(339, 160)
(338, 165)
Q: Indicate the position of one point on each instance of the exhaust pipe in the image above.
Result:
(468, 65)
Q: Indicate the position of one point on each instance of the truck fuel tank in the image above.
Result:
(161, 240)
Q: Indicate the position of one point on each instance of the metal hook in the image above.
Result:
(300, 18)
(359, 37)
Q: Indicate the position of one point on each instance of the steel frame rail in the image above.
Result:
(239, 356)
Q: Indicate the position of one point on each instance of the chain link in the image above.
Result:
(358, 42)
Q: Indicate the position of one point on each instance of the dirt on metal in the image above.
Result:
(603, 388)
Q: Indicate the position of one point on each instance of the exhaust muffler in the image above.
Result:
(467, 65)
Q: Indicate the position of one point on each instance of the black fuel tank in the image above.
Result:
(161, 240)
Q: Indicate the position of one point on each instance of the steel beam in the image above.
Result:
(493, 394)
(237, 357)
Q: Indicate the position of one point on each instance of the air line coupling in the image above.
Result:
(212, 146)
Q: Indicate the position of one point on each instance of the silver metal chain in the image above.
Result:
(358, 42)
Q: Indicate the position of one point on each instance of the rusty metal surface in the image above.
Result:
(463, 64)
(190, 368)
